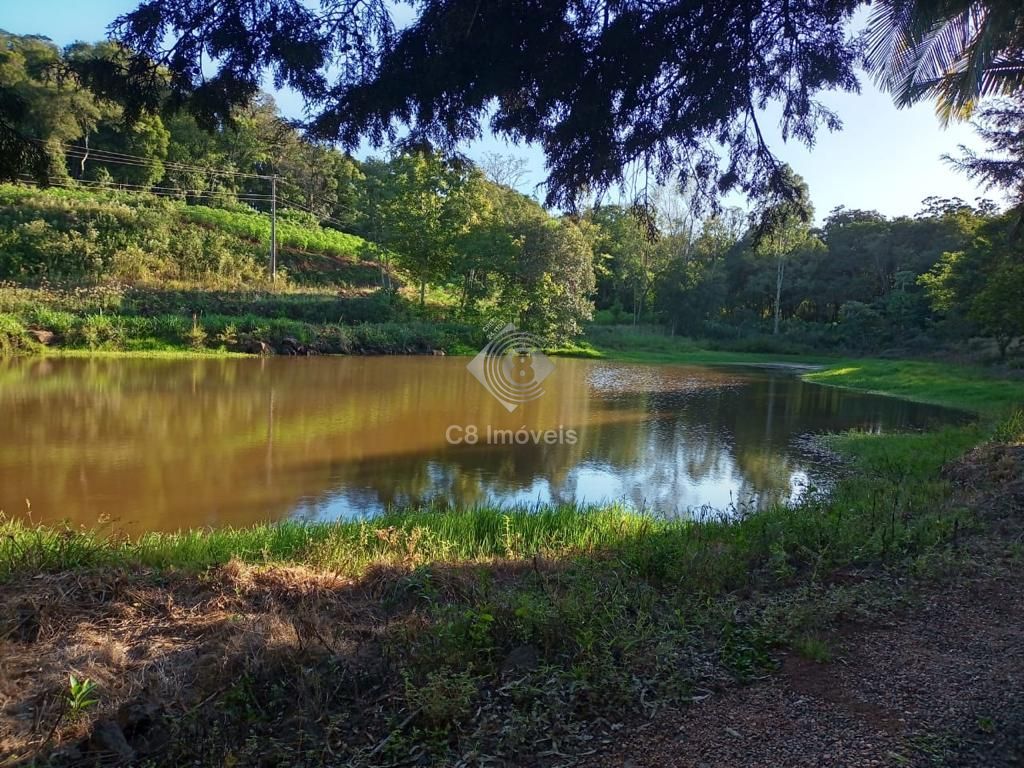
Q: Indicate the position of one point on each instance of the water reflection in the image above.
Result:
(157, 444)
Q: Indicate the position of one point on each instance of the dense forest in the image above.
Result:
(441, 238)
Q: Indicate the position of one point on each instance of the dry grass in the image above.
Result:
(172, 642)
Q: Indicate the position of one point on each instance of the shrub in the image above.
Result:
(859, 323)
(13, 337)
(100, 331)
(445, 697)
(196, 335)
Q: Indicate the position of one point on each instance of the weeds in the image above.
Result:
(196, 335)
(81, 696)
(813, 648)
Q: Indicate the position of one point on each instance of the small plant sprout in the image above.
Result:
(81, 695)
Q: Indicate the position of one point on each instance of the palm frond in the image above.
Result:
(954, 52)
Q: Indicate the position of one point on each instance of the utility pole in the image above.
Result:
(273, 228)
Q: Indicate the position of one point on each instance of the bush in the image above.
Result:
(859, 324)
(13, 337)
(98, 331)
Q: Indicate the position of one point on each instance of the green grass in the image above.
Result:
(813, 648)
(624, 343)
(970, 388)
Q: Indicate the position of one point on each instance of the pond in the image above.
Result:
(167, 444)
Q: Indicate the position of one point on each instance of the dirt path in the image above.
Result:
(942, 686)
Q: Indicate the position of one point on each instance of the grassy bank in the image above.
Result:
(134, 319)
(968, 387)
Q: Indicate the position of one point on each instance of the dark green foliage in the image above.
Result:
(953, 52)
(553, 73)
(982, 284)
(860, 282)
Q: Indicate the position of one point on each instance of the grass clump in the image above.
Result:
(813, 648)
(13, 336)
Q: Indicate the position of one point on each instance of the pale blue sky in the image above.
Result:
(884, 158)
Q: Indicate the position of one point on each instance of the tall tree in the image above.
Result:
(423, 214)
(783, 226)
(602, 86)
(983, 283)
(48, 108)
(1000, 124)
(553, 278)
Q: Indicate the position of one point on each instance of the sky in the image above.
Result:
(884, 158)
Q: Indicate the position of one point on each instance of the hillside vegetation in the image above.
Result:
(114, 271)
(95, 235)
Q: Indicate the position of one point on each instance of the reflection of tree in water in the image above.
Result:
(182, 443)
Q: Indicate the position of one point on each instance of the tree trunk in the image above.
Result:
(81, 171)
(780, 272)
(423, 293)
(1004, 344)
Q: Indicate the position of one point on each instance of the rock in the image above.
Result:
(292, 346)
(438, 352)
(41, 336)
(256, 347)
(142, 724)
(67, 754)
(107, 736)
(27, 628)
(524, 658)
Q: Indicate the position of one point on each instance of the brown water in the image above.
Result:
(162, 445)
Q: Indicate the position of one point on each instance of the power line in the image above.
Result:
(167, 163)
(137, 188)
(111, 156)
(96, 157)
(341, 226)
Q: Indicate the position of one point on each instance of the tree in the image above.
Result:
(506, 170)
(783, 227)
(1001, 126)
(46, 108)
(422, 214)
(553, 279)
(983, 283)
(602, 86)
(621, 244)
(692, 288)
(954, 52)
